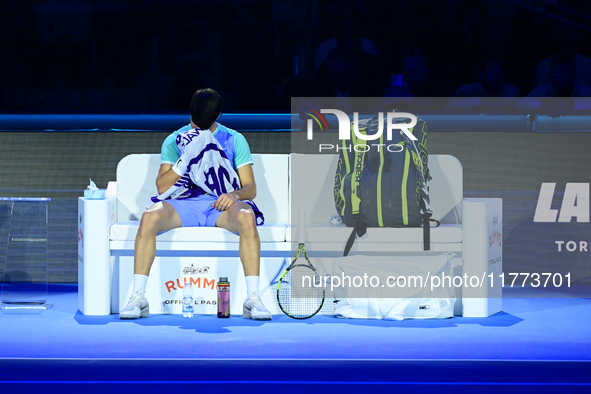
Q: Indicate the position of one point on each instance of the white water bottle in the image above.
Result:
(188, 299)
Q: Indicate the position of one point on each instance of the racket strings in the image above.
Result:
(300, 293)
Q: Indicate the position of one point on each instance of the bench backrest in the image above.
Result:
(313, 175)
(312, 180)
(136, 176)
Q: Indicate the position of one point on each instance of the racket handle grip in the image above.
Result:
(301, 226)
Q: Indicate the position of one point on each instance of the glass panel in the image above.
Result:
(24, 273)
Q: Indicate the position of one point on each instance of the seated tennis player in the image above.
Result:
(193, 182)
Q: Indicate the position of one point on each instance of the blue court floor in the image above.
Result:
(534, 345)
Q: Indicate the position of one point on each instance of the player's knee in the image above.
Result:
(247, 220)
(149, 222)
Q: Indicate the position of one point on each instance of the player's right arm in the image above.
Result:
(166, 178)
(172, 166)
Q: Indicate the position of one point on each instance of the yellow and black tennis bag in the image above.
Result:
(381, 183)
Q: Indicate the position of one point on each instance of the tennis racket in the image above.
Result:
(296, 294)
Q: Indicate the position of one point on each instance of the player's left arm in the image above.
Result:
(248, 191)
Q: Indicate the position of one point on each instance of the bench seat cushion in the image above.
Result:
(127, 230)
(445, 233)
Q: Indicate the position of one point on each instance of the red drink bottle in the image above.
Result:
(223, 297)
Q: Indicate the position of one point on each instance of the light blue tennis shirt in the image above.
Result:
(232, 142)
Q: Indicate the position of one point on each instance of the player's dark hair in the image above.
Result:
(206, 106)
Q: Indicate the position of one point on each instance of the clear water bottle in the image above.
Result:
(188, 299)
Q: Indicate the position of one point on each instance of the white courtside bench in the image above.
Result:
(467, 226)
(107, 230)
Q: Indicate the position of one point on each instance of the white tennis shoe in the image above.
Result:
(253, 308)
(136, 307)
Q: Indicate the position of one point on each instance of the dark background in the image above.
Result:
(149, 56)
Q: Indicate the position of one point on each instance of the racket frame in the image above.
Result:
(301, 249)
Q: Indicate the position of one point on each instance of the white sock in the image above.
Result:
(252, 284)
(139, 283)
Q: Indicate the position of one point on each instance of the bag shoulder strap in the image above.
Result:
(423, 170)
(359, 229)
